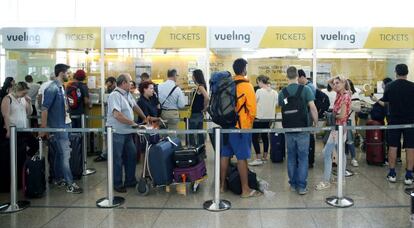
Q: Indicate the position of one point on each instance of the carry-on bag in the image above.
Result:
(188, 156)
(191, 174)
(160, 161)
(277, 147)
(34, 175)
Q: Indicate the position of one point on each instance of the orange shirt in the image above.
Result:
(247, 98)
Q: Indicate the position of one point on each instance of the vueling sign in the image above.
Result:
(33, 38)
(38, 38)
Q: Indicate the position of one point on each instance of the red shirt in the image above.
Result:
(341, 99)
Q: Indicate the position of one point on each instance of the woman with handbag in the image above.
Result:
(198, 107)
(341, 111)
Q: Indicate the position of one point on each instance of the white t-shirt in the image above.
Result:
(266, 103)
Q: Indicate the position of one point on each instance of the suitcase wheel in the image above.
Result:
(143, 187)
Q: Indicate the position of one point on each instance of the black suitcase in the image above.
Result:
(34, 175)
(51, 156)
(311, 155)
(234, 183)
(76, 158)
(188, 156)
(277, 147)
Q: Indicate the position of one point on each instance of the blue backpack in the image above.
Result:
(223, 99)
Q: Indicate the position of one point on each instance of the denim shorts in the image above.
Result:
(237, 144)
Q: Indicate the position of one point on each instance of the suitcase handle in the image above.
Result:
(40, 147)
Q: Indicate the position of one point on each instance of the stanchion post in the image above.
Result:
(86, 171)
(110, 201)
(217, 204)
(340, 200)
(14, 205)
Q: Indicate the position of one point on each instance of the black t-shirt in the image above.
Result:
(84, 93)
(400, 96)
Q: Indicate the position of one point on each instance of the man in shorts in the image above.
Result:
(398, 95)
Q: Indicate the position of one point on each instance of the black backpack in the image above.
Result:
(321, 102)
(223, 99)
(378, 112)
(293, 111)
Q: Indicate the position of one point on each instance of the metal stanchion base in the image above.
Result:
(223, 205)
(8, 208)
(104, 202)
(339, 202)
(89, 171)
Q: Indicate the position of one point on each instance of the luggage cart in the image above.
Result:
(145, 182)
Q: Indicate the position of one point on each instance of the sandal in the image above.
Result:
(253, 193)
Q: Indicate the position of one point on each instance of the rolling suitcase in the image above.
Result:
(277, 147)
(374, 145)
(34, 175)
(191, 173)
(76, 158)
(160, 161)
(373, 136)
(188, 156)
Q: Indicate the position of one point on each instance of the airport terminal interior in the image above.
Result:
(179, 186)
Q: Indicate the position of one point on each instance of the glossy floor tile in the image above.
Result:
(377, 203)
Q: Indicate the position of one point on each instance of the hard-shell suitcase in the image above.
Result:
(374, 136)
(34, 175)
(277, 147)
(188, 156)
(375, 154)
(76, 158)
(160, 161)
(191, 173)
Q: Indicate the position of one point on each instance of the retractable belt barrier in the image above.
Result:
(216, 204)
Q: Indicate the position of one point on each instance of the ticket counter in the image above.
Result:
(154, 50)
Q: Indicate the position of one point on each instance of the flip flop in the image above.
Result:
(253, 193)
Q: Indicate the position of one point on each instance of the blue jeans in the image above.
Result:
(125, 154)
(331, 144)
(196, 122)
(297, 150)
(62, 165)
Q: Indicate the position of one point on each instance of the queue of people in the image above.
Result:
(150, 102)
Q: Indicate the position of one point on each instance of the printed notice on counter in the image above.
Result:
(92, 82)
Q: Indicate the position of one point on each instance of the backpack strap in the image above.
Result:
(285, 92)
(299, 91)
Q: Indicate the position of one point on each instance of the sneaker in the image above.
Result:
(354, 163)
(302, 191)
(60, 183)
(293, 189)
(74, 189)
(392, 178)
(322, 185)
(408, 181)
(256, 162)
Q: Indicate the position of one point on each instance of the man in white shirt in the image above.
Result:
(171, 98)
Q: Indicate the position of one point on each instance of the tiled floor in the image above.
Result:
(377, 204)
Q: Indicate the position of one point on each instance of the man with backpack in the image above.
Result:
(78, 97)
(242, 114)
(296, 101)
